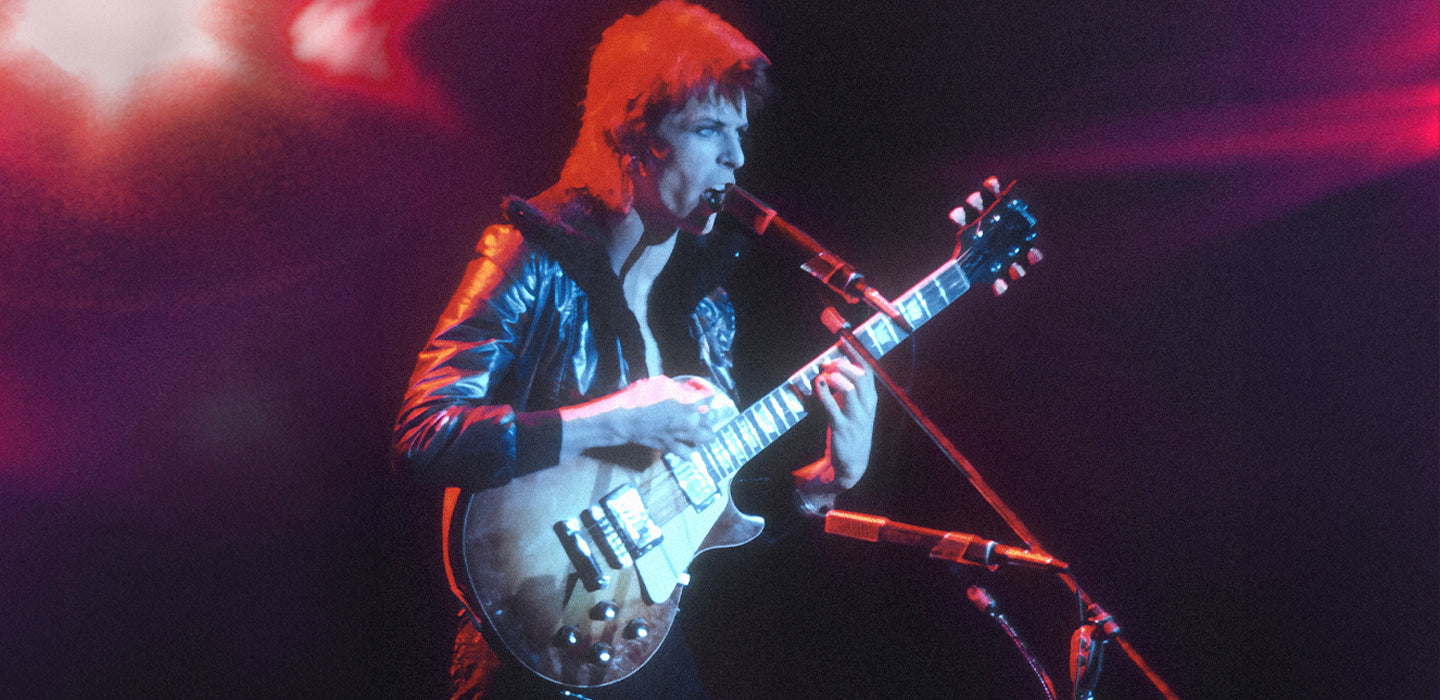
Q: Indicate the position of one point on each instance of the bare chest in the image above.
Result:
(637, 297)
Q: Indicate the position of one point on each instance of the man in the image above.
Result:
(574, 317)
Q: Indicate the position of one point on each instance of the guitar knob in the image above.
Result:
(604, 611)
(567, 636)
(637, 629)
(601, 654)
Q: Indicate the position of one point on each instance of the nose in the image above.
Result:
(733, 154)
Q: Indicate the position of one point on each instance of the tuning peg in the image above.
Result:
(1016, 272)
(1034, 256)
(999, 287)
(958, 216)
(992, 184)
(976, 201)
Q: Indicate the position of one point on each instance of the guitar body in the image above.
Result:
(507, 563)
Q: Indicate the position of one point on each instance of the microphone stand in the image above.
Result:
(1087, 669)
(842, 278)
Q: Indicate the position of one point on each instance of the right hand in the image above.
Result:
(662, 413)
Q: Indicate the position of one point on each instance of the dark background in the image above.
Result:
(1217, 397)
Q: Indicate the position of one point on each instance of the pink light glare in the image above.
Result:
(1376, 132)
(111, 47)
(83, 82)
(341, 38)
(358, 46)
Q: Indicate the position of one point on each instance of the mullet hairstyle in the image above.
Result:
(644, 68)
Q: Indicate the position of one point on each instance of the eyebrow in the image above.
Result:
(740, 125)
(710, 121)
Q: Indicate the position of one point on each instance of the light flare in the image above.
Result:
(359, 46)
(342, 38)
(114, 46)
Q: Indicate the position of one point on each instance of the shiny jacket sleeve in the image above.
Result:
(459, 424)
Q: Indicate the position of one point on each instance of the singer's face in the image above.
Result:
(695, 150)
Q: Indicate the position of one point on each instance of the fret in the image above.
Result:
(793, 414)
(705, 458)
(774, 414)
(792, 402)
(923, 306)
(913, 312)
(958, 284)
(873, 342)
(748, 434)
(937, 296)
(766, 422)
(724, 461)
(804, 380)
(732, 443)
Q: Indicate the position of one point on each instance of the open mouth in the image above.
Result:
(715, 197)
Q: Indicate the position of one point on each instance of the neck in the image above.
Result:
(638, 249)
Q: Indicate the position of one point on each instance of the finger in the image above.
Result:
(694, 426)
(861, 374)
(698, 388)
(838, 381)
(850, 369)
(865, 388)
(826, 395)
(696, 438)
(701, 427)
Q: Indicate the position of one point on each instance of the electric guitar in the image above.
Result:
(578, 569)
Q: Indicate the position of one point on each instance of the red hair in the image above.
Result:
(644, 68)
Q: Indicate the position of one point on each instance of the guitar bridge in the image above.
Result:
(580, 557)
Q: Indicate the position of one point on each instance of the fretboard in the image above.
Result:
(753, 429)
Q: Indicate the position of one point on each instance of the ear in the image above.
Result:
(650, 159)
(653, 159)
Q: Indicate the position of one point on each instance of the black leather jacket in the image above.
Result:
(539, 322)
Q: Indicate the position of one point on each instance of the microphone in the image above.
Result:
(824, 265)
(950, 546)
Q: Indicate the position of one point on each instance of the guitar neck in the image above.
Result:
(755, 428)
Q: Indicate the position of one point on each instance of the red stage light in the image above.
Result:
(114, 46)
(357, 45)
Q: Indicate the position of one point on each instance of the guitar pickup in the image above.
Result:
(626, 511)
(694, 480)
(606, 538)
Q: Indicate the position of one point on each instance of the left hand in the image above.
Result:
(846, 390)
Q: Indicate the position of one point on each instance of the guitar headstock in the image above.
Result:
(996, 235)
